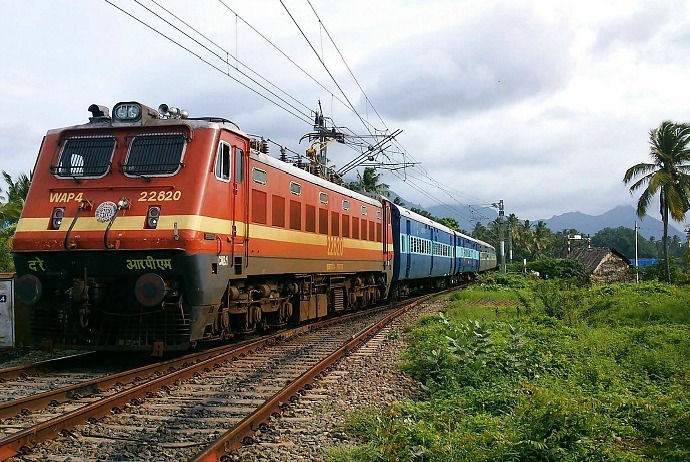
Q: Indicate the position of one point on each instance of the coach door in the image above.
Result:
(385, 226)
(408, 256)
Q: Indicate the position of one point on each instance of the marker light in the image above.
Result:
(152, 216)
(127, 111)
(56, 217)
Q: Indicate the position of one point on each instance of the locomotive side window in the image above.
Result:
(323, 198)
(295, 188)
(155, 155)
(223, 162)
(239, 165)
(85, 158)
(258, 175)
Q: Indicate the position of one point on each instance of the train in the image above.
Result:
(150, 230)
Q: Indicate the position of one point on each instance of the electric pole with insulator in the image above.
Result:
(501, 238)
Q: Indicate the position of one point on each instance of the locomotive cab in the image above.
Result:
(109, 247)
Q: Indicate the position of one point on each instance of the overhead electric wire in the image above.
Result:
(366, 98)
(237, 61)
(359, 146)
(307, 116)
(277, 48)
(205, 61)
(326, 68)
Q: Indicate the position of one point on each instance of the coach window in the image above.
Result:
(295, 188)
(223, 162)
(239, 165)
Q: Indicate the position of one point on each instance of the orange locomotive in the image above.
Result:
(150, 230)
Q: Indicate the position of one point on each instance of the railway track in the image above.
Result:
(197, 407)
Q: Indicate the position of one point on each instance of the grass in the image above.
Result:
(560, 373)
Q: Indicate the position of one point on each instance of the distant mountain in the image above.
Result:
(624, 215)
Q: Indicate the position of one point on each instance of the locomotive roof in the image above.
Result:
(191, 123)
(304, 175)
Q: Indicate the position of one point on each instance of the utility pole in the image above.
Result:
(501, 238)
(637, 263)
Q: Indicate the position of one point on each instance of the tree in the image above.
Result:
(398, 201)
(449, 222)
(668, 176)
(11, 206)
(542, 238)
(369, 182)
(423, 213)
(513, 225)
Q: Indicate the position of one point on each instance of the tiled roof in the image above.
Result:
(592, 257)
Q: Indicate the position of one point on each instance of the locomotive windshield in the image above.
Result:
(155, 155)
(85, 157)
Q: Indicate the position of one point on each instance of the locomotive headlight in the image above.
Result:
(127, 111)
(152, 216)
(56, 217)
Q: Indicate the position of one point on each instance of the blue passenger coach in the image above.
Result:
(428, 255)
(424, 252)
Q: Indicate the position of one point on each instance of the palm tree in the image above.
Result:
(513, 226)
(542, 239)
(12, 204)
(369, 182)
(668, 175)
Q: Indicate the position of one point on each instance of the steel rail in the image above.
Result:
(20, 441)
(25, 370)
(244, 430)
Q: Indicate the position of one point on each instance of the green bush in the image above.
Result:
(550, 268)
(583, 377)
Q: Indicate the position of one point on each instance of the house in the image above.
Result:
(603, 264)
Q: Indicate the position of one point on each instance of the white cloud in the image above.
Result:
(543, 104)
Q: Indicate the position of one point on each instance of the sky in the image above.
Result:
(543, 104)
